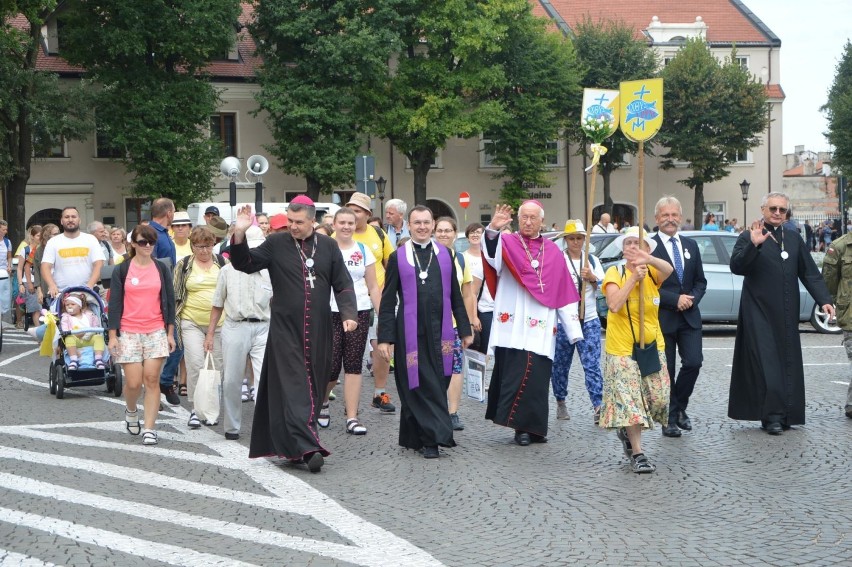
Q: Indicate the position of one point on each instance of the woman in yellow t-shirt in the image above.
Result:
(195, 282)
(632, 402)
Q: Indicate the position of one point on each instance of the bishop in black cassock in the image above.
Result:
(304, 272)
(767, 379)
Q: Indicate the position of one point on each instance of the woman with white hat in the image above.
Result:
(636, 381)
(589, 349)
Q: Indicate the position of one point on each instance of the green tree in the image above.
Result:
(317, 56)
(542, 73)
(610, 52)
(713, 110)
(838, 111)
(34, 105)
(156, 98)
(440, 83)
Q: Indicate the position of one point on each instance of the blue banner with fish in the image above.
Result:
(641, 107)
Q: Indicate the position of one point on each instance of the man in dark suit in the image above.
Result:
(680, 319)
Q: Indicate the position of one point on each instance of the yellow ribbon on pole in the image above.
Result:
(46, 348)
(598, 150)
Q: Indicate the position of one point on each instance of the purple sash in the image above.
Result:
(408, 280)
(558, 287)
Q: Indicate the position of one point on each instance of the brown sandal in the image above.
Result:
(182, 390)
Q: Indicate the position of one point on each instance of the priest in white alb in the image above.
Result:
(534, 292)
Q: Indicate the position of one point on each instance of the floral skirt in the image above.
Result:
(629, 399)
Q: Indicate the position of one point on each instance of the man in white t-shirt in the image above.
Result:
(71, 258)
(604, 225)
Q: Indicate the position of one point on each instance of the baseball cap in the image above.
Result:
(214, 210)
(279, 221)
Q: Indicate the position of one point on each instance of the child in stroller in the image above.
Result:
(78, 315)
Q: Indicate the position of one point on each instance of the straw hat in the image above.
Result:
(633, 232)
(361, 200)
(218, 227)
(573, 226)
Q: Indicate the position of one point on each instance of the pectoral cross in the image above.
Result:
(310, 279)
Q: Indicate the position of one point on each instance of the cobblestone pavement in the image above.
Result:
(76, 490)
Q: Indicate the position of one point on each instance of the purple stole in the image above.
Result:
(408, 279)
(559, 289)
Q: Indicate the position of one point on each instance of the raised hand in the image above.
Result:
(757, 235)
(244, 218)
(502, 217)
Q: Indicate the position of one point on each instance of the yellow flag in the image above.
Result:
(46, 348)
(641, 105)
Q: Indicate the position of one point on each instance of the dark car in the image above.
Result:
(721, 302)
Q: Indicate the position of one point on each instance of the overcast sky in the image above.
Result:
(812, 35)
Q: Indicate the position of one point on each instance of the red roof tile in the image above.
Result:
(775, 91)
(727, 20)
(799, 170)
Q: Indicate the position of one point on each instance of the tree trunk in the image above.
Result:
(698, 206)
(421, 163)
(313, 188)
(607, 200)
(16, 192)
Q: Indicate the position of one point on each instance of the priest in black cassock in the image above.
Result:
(421, 276)
(767, 380)
(304, 268)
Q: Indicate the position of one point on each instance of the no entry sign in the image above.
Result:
(464, 199)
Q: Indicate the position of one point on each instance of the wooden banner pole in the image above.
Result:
(641, 238)
(582, 309)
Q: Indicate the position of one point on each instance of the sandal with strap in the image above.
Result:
(354, 427)
(324, 417)
(149, 437)
(625, 442)
(641, 465)
(246, 393)
(99, 364)
(194, 422)
(131, 422)
(182, 391)
(73, 365)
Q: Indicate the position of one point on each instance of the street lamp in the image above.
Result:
(380, 187)
(744, 188)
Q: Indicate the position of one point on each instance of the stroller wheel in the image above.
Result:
(51, 378)
(118, 380)
(61, 373)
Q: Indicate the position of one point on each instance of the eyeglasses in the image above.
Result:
(782, 210)
(144, 242)
(445, 231)
(203, 247)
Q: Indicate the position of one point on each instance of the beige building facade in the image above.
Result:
(75, 175)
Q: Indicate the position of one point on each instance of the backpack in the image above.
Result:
(382, 236)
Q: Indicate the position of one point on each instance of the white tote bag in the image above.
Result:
(206, 397)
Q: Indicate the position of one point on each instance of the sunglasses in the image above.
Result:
(782, 210)
(144, 242)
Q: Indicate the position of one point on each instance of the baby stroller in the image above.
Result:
(86, 374)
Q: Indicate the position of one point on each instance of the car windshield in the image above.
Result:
(610, 252)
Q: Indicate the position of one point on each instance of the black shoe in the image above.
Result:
(457, 422)
(383, 403)
(774, 428)
(682, 420)
(848, 410)
(232, 436)
(430, 452)
(671, 430)
(536, 438)
(171, 396)
(522, 438)
(315, 462)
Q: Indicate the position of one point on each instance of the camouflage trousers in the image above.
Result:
(847, 344)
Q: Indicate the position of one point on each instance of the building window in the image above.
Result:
(437, 162)
(135, 211)
(741, 157)
(223, 127)
(486, 154)
(742, 61)
(105, 147)
(51, 148)
(551, 159)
